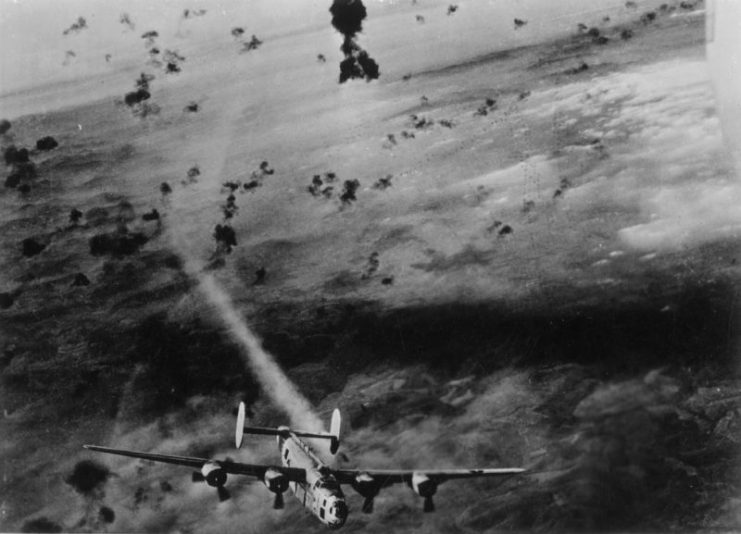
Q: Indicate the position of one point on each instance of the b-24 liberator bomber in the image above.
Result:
(316, 485)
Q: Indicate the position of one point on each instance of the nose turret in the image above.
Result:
(336, 512)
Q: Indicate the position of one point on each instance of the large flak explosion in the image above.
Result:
(347, 18)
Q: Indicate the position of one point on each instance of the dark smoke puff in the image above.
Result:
(25, 170)
(31, 247)
(10, 154)
(80, 280)
(350, 187)
(253, 44)
(153, 215)
(265, 168)
(20, 171)
(142, 82)
(81, 24)
(87, 476)
(506, 230)
(260, 276)
(383, 183)
(648, 18)
(225, 235)
(4, 126)
(172, 56)
(75, 215)
(230, 185)
(15, 155)
(107, 515)
(349, 69)
(369, 66)
(348, 16)
(6, 300)
(117, 244)
(41, 524)
(13, 180)
(136, 97)
(251, 185)
(47, 143)
(190, 13)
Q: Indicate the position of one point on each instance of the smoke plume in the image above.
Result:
(347, 18)
(274, 382)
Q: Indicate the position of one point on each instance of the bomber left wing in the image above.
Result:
(214, 472)
(424, 482)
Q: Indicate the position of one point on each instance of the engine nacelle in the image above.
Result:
(275, 481)
(366, 485)
(423, 486)
(213, 473)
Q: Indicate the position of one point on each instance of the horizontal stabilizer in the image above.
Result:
(265, 431)
(333, 435)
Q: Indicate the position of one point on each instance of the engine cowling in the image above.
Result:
(275, 481)
(368, 487)
(213, 473)
(365, 485)
(423, 486)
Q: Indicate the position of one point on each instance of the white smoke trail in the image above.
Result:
(274, 382)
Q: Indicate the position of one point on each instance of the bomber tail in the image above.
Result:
(333, 435)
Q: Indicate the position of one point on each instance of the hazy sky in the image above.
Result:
(34, 48)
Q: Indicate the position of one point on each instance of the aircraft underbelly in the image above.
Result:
(292, 456)
(302, 494)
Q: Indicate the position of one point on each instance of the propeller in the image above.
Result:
(429, 505)
(224, 494)
(368, 505)
(278, 502)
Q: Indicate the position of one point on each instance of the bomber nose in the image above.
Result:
(341, 510)
(338, 511)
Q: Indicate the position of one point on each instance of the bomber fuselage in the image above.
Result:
(320, 494)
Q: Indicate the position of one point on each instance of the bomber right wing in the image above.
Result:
(424, 482)
(388, 477)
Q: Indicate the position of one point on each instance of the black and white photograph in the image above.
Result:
(384, 266)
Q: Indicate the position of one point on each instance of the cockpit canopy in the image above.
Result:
(327, 483)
